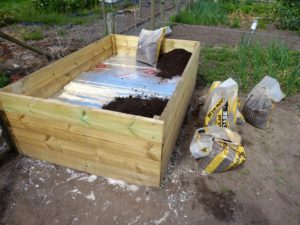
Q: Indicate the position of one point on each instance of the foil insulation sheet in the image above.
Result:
(119, 76)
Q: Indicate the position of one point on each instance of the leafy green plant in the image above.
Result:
(293, 80)
(62, 32)
(6, 17)
(33, 35)
(242, 66)
(203, 12)
(63, 5)
(288, 17)
(3, 80)
(257, 61)
(23, 11)
(235, 13)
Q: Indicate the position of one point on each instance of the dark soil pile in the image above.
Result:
(173, 63)
(138, 106)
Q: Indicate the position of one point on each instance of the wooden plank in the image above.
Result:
(104, 120)
(174, 115)
(95, 155)
(99, 153)
(34, 81)
(152, 150)
(89, 166)
(128, 44)
(188, 74)
(141, 153)
(126, 51)
(135, 146)
(53, 86)
(21, 120)
(183, 93)
(170, 44)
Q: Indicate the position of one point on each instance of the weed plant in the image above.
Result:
(203, 12)
(237, 14)
(33, 35)
(249, 64)
(19, 11)
(3, 80)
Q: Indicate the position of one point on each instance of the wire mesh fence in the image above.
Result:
(153, 14)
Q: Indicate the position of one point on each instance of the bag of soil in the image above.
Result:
(258, 106)
(221, 106)
(220, 147)
(149, 44)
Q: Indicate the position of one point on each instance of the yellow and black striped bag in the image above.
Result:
(222, 153)
(221, 106)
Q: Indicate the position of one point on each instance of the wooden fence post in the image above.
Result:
(104, 16)
(162, 11)
(178, 5)
(152, 14)
(135, 17)
(140, 9)
(111, 23)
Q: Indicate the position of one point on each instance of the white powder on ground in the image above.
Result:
(162, 219)
(76, 191)
(91, 196)
(81, 176)
(89, 179)
(122, 184)
(70, 171)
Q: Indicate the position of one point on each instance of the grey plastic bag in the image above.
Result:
(149, 46)
(258, 106)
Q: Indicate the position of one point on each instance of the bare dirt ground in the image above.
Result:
(16, 60)
(219, 36)
(265, 190)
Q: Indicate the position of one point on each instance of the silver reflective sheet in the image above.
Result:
(119, 76)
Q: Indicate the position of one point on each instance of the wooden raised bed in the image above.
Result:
(110, 144)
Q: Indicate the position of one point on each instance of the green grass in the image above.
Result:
(18, 11)
(3, 80)
(62, 32)
(249, 64)
(203, 12)
(237, 14)
(34, 35)
(54, 18)
(224, 189)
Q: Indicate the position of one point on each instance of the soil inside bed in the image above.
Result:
(172, 63)
(138, 106)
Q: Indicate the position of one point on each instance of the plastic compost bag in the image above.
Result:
(258, 106)
(149, 44)
(221, 106)
(220, 148)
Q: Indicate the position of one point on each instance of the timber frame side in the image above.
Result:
(110, 144)
(174, 113)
